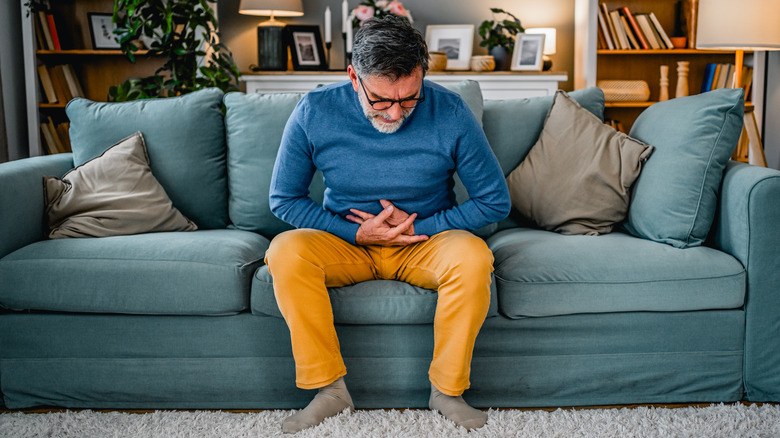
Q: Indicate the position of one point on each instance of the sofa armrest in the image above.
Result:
(748, 227)
(21, 198)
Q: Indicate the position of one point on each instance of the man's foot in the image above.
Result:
(330, 400)
(456, 410)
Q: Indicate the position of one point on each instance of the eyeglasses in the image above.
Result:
(383, 104)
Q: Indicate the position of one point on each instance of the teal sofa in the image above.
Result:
(188, 320)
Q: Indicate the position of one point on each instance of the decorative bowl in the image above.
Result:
(483, 63)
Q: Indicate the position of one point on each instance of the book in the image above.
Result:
(605, 30)
(48, 139)
(62, 133)
(660, 30)
(58, 145)
(640, 37)
(610, 26)
(73, 81)
(647, 29)
(60, 84)
(619, 30)
(44, 24)
(709, 74)
(46, 84)
(629, 33)
(55, 39)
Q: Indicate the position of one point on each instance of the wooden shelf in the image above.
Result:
(628, 104)
(86, 52)
(664, 52)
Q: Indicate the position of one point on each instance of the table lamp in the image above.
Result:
(740, 25)
(271, 48)
(549, 44)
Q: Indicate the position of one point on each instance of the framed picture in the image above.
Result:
(454, 40)
(101, 29)
(528, 52)
(306, 47)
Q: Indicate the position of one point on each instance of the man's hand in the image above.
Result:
(391, 227)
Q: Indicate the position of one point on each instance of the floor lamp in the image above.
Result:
(750, 25)
(271, 48)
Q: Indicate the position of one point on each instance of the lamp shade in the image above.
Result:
(738, 25)
(549, 38)
(270, 8)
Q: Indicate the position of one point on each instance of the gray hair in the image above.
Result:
(389, 47)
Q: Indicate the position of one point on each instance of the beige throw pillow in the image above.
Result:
(112, 194)
(577, 177)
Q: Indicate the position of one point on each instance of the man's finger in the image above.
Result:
(384, 214)
(355, 219)
(365, 216)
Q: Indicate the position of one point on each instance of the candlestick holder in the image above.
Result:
(346, 58)
(327, 53)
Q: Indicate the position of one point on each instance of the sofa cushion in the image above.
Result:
(675, 197)
(513, 126)
(111, 195)
(541, 273)
(254, 124)
(197, 273)
(578, 176)
(368, 302)
(185, 138)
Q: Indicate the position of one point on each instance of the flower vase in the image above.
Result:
(502, 57)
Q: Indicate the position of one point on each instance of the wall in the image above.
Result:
(771, 135)
(12, 73)
(240, 35)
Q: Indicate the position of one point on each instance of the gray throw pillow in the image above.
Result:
(577, 177)
(110, 195)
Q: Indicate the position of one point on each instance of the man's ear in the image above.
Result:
(353, 77)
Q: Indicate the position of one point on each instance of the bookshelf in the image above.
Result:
(636, 64)
(93, 70)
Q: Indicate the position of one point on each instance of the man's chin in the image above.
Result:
(384, 127)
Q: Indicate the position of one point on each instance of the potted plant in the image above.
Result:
(184, 33)
(498, 36)
(378, 8)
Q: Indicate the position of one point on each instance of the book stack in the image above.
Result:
(59, 83)
(722, 76)
(620, 29)
(46, 35)
(55, 136)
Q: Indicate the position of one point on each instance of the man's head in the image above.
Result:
(389, 61)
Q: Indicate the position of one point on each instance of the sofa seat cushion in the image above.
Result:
(369, 302)
(541, 273)
(196, 273)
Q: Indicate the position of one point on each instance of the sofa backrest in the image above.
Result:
(185, 140)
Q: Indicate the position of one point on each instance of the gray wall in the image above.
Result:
(14, 142)
(239, 31)
(771, 126)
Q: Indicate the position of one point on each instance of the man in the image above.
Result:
(387, 143)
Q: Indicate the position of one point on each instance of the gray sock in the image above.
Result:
(330, 400)
(457, 410)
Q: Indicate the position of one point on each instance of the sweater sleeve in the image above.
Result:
(478, 169)
(293, 171)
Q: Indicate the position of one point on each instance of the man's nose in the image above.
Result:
(395, 111)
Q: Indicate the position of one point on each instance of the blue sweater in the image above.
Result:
(412, 167)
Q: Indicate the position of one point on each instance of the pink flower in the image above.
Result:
(396, 8)
(382, 4)
(363, 13)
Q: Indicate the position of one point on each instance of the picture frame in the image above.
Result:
(528, 52)
(101, 30)
(455, 40)
(306, 48)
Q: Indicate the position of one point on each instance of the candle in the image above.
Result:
(349, 39)
(327, 25)
(344, 15)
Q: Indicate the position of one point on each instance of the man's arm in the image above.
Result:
(482, 177)
(289, 192)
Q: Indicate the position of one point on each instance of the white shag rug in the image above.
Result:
(715, 421)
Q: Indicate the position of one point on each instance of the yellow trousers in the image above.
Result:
(305, 262)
